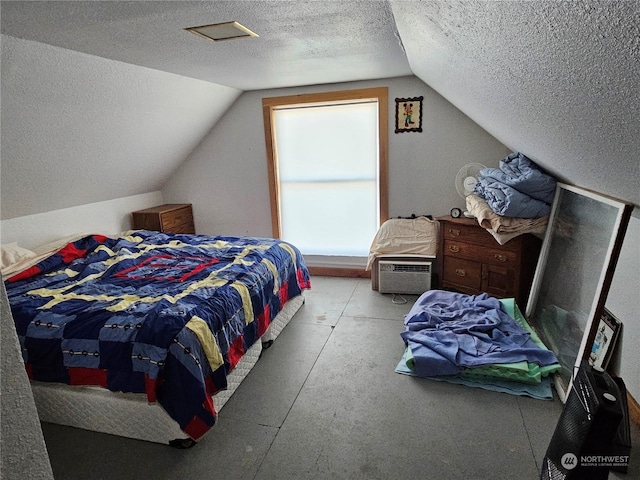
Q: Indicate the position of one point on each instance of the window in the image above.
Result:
(328, 170)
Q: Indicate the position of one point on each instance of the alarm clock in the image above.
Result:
(456, 212)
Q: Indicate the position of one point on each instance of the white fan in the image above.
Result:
(467, 177)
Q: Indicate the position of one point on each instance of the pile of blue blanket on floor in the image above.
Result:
(475, 340)
(517, 189)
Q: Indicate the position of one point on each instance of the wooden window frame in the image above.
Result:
(380, 94)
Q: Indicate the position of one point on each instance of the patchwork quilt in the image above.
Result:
(168, 315)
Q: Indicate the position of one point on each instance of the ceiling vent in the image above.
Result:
(222, 31)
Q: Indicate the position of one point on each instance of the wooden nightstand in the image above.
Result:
(472, 261)
(169, 218)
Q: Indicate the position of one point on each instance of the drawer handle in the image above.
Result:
(500, 257)
(454, 232)
(460, 272)
(454, 248)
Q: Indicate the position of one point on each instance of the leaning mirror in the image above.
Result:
(574, 273)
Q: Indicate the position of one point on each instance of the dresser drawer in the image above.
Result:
(188, 227)
(491, 256)
(468, 233)
(473, 262)
(478, 236)
(458, 271)
(176, 221)
(169, 218)
(498, 281)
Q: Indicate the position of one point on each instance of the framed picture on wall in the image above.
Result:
(409, 114)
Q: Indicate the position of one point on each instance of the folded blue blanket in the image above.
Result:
(517, 189)
(509, 202)
(519, 172)
(449, 331)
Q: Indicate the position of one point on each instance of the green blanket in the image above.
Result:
(523, 372)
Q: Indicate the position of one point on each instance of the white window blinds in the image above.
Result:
(327, 158)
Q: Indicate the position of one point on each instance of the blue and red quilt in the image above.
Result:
(168, 315)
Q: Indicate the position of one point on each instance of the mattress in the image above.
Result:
(129, 414)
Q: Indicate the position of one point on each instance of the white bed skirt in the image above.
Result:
(129, 414)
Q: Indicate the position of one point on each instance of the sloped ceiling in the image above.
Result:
(299, 43)
(555, 80)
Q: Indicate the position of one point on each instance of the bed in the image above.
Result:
(147, 334)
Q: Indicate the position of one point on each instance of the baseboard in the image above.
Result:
(339, 272)
(634, 409)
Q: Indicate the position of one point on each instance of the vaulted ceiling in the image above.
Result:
(299, 43)
(556, 80)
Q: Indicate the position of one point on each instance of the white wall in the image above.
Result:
(22, 449)
(623, 303)
(226, 176)
(226, 180)
(84, 131)
(108, 218)
(79, 129)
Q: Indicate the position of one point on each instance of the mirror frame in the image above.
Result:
(565, 220)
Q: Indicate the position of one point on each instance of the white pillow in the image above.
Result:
(12, 253)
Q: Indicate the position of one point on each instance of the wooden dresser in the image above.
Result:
(472, 261)
(169, 218)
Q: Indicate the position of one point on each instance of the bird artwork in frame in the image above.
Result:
(409, 114)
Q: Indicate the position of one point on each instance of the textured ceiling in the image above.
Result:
(557, 80)
(299, 43)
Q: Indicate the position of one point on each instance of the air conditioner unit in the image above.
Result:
(404, 276)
